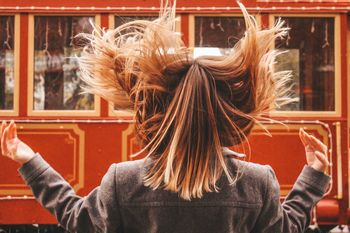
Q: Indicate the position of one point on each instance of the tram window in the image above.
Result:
(310, 57)
(217, 35)
(56, 72)
(7, 63)
(120, 20)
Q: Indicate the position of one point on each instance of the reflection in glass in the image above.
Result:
(220, 32)
(120, 20)
(310, 57)
(56, 72)
(7, 62)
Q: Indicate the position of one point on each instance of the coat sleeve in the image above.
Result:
(96, 212)
(293, 215)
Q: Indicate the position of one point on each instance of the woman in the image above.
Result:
(187, 111)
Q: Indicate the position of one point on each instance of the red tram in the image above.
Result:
(81, 135)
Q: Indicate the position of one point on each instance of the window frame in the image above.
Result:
(337, 69)
(191, 23)
(30, 106)
(15, 110)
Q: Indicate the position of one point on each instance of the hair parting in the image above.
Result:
(186, 109)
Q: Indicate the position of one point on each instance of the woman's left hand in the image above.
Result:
(315, 151)
(11, 146)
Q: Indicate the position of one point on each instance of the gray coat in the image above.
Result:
(123, 204)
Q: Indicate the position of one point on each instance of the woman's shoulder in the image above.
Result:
(250, 172)
(130, 171)
(135, 169)
(130, 164)
(248, 166)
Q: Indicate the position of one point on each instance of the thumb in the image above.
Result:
(13, 145)
(322, 158)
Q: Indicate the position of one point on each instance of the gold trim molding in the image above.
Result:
(15, 110)
(337, 71)
(78, 157)
(30, 106)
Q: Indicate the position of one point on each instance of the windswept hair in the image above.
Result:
(186, 109)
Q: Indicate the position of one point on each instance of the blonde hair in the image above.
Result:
(185, 109)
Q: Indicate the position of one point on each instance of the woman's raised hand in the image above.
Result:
(316, 151)
(11, 146)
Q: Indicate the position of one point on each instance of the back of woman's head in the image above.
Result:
(186, 109)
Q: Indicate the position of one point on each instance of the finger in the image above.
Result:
(307, 144)
(309, 141)
(301, 136)
(316, 144)
(320, 144)
(3, 142)
(10, 133)
(15, 130)
(3, 126)
(322, 158)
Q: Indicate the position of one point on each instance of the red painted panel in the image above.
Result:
(328, 211)
(284, 152)
(24, 212)
(83, 166)
(185, 28)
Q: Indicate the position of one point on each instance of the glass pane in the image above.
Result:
(7, 62)
(217, 35)
(310, 57)
(56, 72)
(119, 20)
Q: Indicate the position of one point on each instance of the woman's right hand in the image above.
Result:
(11, 146)
(316, 151)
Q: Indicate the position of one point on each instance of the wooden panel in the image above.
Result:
(64, 143)
(80, 152)
(283, 151)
